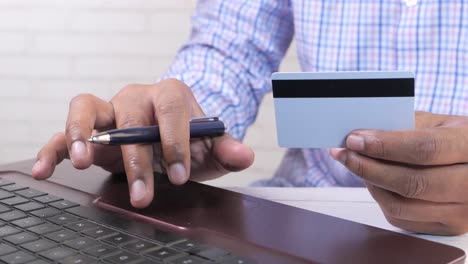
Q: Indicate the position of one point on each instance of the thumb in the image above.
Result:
(231, 154)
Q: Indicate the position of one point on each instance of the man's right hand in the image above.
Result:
(171, 105)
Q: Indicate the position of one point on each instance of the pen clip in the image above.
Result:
(204, 119)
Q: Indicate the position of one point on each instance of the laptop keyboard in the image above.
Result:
(37, 228)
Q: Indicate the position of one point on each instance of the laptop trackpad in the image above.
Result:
(190, 206)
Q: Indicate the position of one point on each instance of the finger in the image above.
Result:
(428, 120)
(49, 156)
(232, 154)
(86, 113)
(109, 158)
(437, 146)
(431, 183)
(396, 206)
(133, 109)
(138, 167)
(227, 155)
(173, 110)
(433, 228)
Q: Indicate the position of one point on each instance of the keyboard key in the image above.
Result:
(188, 245)
(212, 253)
(17, 258)
(101, 251)
(5, 182)
(27, 222)
(139, 246)
(111, 219)
(13, 187)
(81, 243)
(6, 249)
(57, 253)
(31, 206)
(20, 238)
(163, 237)
(12, 215)
(44, 228)
(119, 239)
(63, 219)
(123, 257)
(78, 259)
(64, 204)
(5, 194)
(47, 198)
(238, 260)
(62, 235)
(39, 245)
(188, 260)
(14, 200)
(4, 208)
(99, 232)
(30, 193)
(39, 261)
(81, 226)
(8, 230)
(46, 212)
(163, 253)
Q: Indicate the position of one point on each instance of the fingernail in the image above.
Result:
(138, 190)
(355, 142)
(177, 172)
(339, 155)
(78, 149)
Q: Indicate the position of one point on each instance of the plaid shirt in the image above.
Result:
(235, 45)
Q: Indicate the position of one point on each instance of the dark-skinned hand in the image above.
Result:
(419, 178)
(171, 105)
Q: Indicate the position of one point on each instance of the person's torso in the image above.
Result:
(427, 37)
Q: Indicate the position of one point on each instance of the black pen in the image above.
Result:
(200, 127)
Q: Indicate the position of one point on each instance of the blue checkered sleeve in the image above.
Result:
(233, 48)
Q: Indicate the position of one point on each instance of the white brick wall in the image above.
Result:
(52, 50)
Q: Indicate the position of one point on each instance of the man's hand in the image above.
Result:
(419, 178)
(171, 105)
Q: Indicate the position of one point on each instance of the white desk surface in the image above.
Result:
(354, 204)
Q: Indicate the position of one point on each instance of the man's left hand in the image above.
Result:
(419, 178)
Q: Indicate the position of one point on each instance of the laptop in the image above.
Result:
(85, 217)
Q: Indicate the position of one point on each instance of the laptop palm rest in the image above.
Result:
(271, 231)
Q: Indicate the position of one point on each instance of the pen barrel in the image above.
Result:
(137, 135)
(151, 134)
(206, 129)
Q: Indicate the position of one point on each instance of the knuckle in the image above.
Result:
(129, 88)
(426, 150)
(128, 120)
(173, 106)
(73, 128)
(379, 147)
(415, 185)
(357, 165)
(172, 83)
(360, 169)
(394, 208)
(81, 98)
(128, 91)
(57, 136)
(134, 166)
